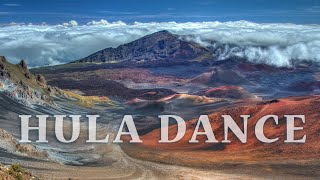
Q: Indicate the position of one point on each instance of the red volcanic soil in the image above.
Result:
(233, 92)
(253, 152)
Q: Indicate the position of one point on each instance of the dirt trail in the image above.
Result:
(124, 168)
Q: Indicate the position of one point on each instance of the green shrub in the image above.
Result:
(16, 171)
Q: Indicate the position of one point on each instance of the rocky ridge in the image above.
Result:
(18, 83)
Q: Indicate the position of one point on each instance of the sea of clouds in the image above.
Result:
(275, 44)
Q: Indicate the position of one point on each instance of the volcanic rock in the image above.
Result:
(24, 91)
(41, 80)
(24, 65)
(3, 70)
(3, 59)
(27, 75)
(8, 142)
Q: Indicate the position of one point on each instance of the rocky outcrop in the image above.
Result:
(3, 59)
(9, 143)
(24, 65)
(41, 80)
(3, 70)
(19, 84)
(25, 69)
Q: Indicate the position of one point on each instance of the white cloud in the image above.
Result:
(274, 44)
(101, 22)
(105, 22)
(71, 23)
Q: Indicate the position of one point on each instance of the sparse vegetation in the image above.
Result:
(88, 101)
(14, 172)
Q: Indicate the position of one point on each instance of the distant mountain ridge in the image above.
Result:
(158, 47)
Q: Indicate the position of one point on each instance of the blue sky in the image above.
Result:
(59, 11)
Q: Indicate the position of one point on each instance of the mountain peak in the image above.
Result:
(162, 32)
(159, 48)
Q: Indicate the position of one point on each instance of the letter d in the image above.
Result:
(165, 128)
